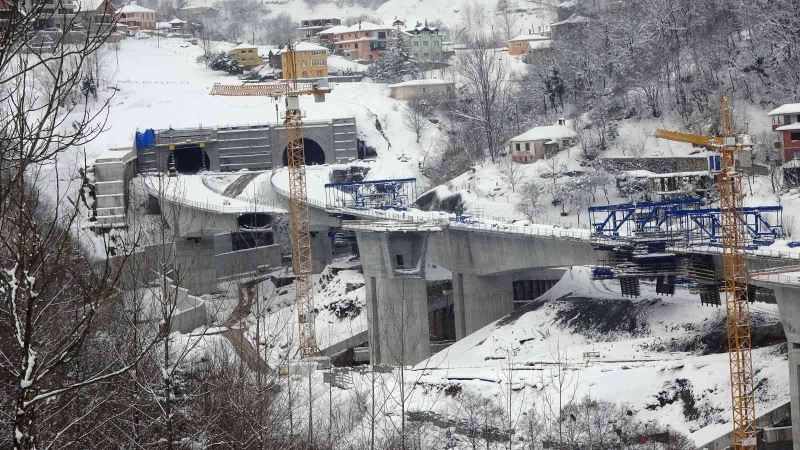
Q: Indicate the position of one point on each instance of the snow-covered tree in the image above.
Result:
(396, 63)
(225, 61)
(416, 116)
(529, 200)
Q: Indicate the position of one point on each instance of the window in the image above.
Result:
(356, 45)
(400, 261)
(518, 44)
(425, 43)
(795, 136)
(381, 35)
(527, 146)
(519, 147)
(796, 154)
(305, 74)
(416, 44)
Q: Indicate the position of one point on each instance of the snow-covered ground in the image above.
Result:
(339, 298)
(644, 347)
(160, 84)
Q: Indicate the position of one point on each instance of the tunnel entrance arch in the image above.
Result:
(314, 153)
(188, 160)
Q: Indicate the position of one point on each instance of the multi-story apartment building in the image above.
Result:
(363, 41)
(424, 42)
(786, 125)
(310, 61)
(310, 28)
(247, 55)
(134, 15)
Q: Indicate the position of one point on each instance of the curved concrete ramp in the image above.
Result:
(194, 210)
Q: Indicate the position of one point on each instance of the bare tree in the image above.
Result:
(58, 300)
(416, 114)
(511, 173)
(529, 199)
(486, 76)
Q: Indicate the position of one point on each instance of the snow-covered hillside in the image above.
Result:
(665, 357)
(530, 15)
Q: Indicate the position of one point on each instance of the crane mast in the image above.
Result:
(291, 90)
(298, 211)
(737, 309)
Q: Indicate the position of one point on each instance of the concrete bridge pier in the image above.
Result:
(321, 251)
(397, 297)
(478, 300)
(397, 310)
(787, 294)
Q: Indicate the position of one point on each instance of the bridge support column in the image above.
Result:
(321, 251)
(397, 311)
(479, 300)
(788, 297)
(397, 296)
(195, 265)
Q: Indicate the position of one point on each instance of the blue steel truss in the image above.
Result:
(378, 194)
(763, 224)
(630, 218)
(683, 217)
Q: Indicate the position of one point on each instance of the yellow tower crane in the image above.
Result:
(291, 90)
(737, 309)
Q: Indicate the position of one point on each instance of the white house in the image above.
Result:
(420, 89)
(541, 142)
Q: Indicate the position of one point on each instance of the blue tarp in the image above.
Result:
(145, 139)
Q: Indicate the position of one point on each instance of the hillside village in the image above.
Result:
(324, 224)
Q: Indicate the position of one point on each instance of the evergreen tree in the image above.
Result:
(225, 61)
(395, 64)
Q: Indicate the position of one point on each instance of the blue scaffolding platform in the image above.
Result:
(396, 194)
(631, 218)
(683, 219)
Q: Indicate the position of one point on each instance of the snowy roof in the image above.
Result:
(535, 45)
(789, 108)
(163, 25)
(550, 132)
(91, 5)
(244, 46)
(420, 28)
(306, 47)
(134, 8)
(365, 26)
(430, 82)
(334, 29)
(790, 127)
(530, 37)
(176, 21)
(575, 18)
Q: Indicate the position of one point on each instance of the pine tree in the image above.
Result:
(225, 61)
(395, 64)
